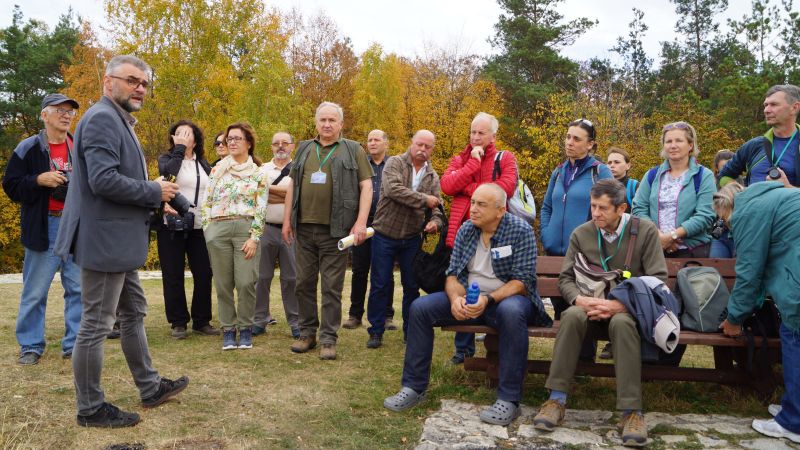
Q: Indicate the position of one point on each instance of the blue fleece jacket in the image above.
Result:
(695, 213)
(566, 208)
(766, 232)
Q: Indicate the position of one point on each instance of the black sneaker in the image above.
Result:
(114, 334)
(375, 341)
(109, 416)
(458, 358)
(166, 390)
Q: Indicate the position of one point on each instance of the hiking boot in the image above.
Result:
(375, 341)
(29, 359)
(352, 323)
(179, 332)
(229, 339)
(458, 358)
(551, 414)
(109, 416)
(774, 429)
(207, 330)
(245, 338)
(66, 355)
(166, 390)
(607, 353)
(403, 400)
(258, 331)
(634, 430)
(304, 344)
(114, 334)
(389, 325)
(328, 352)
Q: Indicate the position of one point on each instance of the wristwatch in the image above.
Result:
(674, 235)
(491, 299)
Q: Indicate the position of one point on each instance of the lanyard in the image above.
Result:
(69, 157)
(775, 163)
(603, 261)
(323, 161)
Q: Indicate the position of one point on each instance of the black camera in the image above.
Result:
(774, 173)
(60, 191)
(718, 228)
(184, 221)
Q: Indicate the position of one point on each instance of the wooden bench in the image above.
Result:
(730, 355)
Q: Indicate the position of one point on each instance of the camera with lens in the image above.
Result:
(60, 191)
(184, 221)
(718, 228)
(774, 173)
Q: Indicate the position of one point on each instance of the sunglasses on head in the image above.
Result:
(676, 126)
(586, 125)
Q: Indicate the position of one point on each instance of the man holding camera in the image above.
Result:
(107, 223)
(773, 156)
(37, 176)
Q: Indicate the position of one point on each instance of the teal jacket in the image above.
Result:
(766, 232)
(695, 213)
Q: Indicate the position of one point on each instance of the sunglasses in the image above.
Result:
(217, 143)
(676, 126)
(586, 125)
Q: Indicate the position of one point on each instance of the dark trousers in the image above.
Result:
(510, 317)
(701, 251)
(173, 247)
(385, 251)
(361, 258)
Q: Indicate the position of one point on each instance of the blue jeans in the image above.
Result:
(384, 252)
(789, 416)
(510, 317)
(38, 270)
(723, 247)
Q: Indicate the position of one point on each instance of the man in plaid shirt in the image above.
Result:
(498, 251)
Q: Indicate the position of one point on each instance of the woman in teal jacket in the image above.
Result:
(677, 195)
(763, 221)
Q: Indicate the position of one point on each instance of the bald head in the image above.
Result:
(421, 147)
(498, 194)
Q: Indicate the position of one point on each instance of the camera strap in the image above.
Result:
(197, 188)
(69, 156)
(284, 172)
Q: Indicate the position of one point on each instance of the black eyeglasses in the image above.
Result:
(281, 144)
(586, 125)
(133, 82)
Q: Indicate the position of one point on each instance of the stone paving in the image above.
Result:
(457, 426)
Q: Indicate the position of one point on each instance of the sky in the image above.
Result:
(407, 27)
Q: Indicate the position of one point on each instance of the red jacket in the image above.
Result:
(465, 174)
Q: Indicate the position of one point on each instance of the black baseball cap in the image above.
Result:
(57, 99)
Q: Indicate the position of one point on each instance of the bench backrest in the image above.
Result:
(548, 268)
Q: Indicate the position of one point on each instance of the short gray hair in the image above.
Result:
(791, 91)
(338, 109)
(384, 136)
(723, 198)
(291, 138)
(612, 189)
(493, 123)
(120, 60)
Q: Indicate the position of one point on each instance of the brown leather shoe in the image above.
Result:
(304, 344)
(328, 352)
(208, 330)
(389, 325)
(352, 323)
(551, 414)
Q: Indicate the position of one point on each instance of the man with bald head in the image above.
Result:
(377, 146)
(409, 189)
(497, 251)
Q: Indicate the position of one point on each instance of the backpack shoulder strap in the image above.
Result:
(651, 175)
(595, 169)
(632, 243)
(698, 178)
(496, 170)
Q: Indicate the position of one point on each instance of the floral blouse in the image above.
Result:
(233, 195)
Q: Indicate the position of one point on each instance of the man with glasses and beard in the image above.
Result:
(106, 223)
(272, 245)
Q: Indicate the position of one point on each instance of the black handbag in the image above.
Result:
(430, 268)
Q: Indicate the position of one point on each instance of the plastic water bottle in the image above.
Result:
(473, 293)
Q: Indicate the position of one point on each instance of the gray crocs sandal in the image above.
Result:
(403, 400)
(501, 413)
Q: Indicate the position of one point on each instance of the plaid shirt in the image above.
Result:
(520, 265)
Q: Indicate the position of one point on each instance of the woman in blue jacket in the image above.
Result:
(566, 202)
(763, 221)
(676, 195)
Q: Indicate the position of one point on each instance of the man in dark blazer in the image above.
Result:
(106, 227)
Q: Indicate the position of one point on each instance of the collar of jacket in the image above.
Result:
(693, 168)
(770, 134)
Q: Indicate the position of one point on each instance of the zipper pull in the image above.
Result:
(564, 199)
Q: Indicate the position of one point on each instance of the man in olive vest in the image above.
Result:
(330, 198)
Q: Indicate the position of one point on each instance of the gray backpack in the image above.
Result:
(704, 298)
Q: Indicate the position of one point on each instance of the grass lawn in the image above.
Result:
(269, 397)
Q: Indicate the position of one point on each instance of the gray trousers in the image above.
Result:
(104, 296)
(274, 248)
(621, 330)
(318, 256)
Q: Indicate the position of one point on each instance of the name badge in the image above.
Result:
(319, 178)
(501, 252)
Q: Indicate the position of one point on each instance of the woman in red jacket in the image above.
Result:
(468, 170)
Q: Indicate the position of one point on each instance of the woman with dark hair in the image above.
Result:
(566, 202)
(183, 238)
(233, 221)
(676, 195)
(220, 147)
(619, 162)
(723, 246)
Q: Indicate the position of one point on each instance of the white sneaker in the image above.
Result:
(774, 409)
(774, 429)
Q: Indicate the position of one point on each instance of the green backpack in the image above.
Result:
(704, 299)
